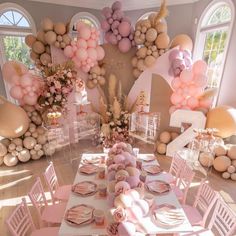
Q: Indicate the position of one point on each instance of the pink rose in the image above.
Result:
(119, 215)
(112, 229)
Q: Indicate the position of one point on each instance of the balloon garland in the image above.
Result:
(117, 27)
(85, 51)
(151, 35)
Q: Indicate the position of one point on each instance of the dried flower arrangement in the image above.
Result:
(114, 114)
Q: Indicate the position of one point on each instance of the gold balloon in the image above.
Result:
(47, 24)
(149, 61)
(60, 28)
(13, 120)
(162, 40)
(151, 35)
(223, 118)
(29, 40)
(182, 40)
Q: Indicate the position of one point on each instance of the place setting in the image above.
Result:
(88, 169)
(84, 188)
(152, 169)
(158, 187)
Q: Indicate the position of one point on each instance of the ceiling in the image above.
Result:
(128, 5)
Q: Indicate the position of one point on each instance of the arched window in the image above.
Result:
(15, 24)
(87, 18)
(212, 38)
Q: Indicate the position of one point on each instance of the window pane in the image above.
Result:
(16, 49)
(9, 16)
(23, 23)
(14, 18)
(220, 15)
(213, 55)
(17, 16)
(4, 21)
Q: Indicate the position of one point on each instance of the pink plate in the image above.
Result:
(167, 216)
(158, 187)
(88, 169)
(152, 169)
(84, 188)
(79, 215)
(147, 158)
(93, 160)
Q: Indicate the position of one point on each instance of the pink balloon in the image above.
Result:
(192, 102)
(110, 20)
(112, 39)
(116, 5)
(30, 100)
(107, 36)
(15, 79)
(85, 68)
(115, 24)
(73, 43)
(107, 11)
(91, 43)
(176, 98)
(186, 76)
(92, 53)
(80, 25)
(124, 45)
(175, 53)
(119, 14)
(176, 83)
(126, 19)
(68, 51)
(124, 28)
(77, 62)
(100, 53)
(200, 67)
(85, 33)
(179, 91)
(81, 54)
(118, 37)
(205, 103)
(26, 80)
(105, 25)
(81, 43)
(16, 92)
(200, 80)
(28, 88)
(194, 91)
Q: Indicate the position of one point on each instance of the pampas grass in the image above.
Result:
(116, 108)
(112, 88)
(162, 13)
(103, 111)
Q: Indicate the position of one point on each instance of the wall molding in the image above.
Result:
(127, 5)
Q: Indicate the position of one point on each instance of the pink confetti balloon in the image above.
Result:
(176, 98)
(92, 53)
(26, 80)
(124, 45)
(81, 54)
(112, 39)
(16, 92)
(85, 33)
(200, 67)
(81, 43)
(80, 25)
(105, 25)
(124, 28)
(100, 53)
(68, 51)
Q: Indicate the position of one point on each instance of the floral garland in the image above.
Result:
(59, 83)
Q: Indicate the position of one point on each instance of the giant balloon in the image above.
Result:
(13, 120)
(222, 118)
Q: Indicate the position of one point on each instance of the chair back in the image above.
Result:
(185, 179)
(223, 219)
(177, 165)
(51, 180)
(205, 200)
(20, 222)
(38, 198)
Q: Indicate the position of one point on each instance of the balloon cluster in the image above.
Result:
(151, 35)
(96, 77)
(117, 27)
(125, 191)
(32, 145)
(85, 51)
(25, 87)
(179, 61)
(49, 34)
(189, 87)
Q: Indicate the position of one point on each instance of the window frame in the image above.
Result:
(88, 16)
(203, 30)
(6, 30)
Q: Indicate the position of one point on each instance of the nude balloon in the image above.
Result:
(16, 92)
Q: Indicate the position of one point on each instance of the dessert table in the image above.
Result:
(101, 203)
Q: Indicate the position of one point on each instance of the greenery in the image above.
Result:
(16, 49)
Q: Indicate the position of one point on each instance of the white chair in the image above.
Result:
(204, 201)
(20, 223)
(57, 192)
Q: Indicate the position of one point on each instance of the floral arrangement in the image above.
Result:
(59, 83)
(114, 115)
